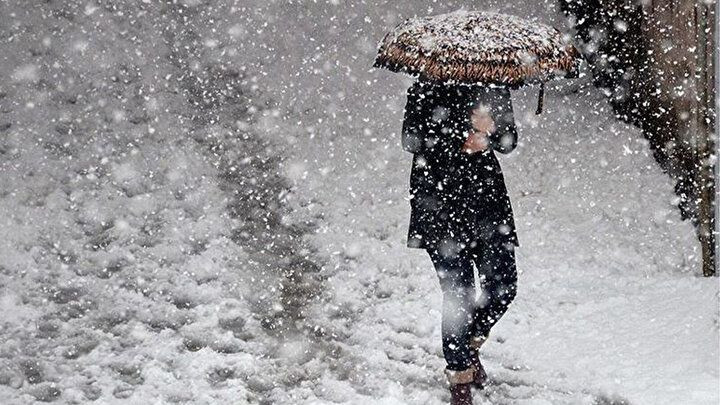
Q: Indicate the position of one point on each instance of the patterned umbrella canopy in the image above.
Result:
(478, 47)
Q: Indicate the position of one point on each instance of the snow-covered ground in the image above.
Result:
(151, 251)
(610, 307)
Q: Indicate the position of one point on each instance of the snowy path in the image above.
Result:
(610, 309)
(608, 279)
(144, 257)
(151, 258)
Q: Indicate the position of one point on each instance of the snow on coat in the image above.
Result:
(458, 199)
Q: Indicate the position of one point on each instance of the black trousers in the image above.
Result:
(464, 316)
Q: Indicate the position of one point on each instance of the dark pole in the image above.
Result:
(705, 20)
(715, 107)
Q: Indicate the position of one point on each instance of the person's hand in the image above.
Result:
(476, 142)
(482, 121)
(483, 124)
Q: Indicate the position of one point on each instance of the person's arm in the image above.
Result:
(504, 139)
(415, 125)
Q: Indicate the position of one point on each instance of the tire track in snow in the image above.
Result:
(250, 168)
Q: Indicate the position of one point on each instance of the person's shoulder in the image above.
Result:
(495, 94)
(494, 89)
(424, 90)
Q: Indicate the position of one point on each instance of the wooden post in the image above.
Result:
(704, 134)
(716, 114)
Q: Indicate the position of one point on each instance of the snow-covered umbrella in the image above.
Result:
(478, 47)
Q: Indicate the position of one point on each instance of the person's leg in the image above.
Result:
(457, 283)
(498, 275)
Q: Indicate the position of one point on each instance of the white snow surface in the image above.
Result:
(126, 277)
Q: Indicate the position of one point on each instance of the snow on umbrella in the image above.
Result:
(478, 47)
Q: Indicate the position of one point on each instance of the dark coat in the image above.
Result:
(458, 199)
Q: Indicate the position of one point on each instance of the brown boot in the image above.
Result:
(460, 383)
(476, 342)
(460, 394)
(480, 376)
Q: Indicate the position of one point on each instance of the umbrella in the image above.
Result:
(478, 47)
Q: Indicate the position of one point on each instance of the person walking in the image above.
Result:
(461, 213)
